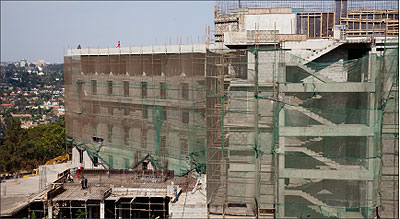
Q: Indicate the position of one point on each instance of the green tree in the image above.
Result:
(33, 216)
(11, 160)
(26, 149)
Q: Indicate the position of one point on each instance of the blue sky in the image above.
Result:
(41, 30)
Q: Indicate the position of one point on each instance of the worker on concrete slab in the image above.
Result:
(79, 172)
(197, 183)
(175, 190)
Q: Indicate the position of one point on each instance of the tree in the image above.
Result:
(11, 161)
(33, 216)
(26, 149)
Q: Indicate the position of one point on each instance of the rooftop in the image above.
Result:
(192, 48)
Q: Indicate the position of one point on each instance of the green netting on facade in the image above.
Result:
(305, 139)
(276, 132)
(126, 107)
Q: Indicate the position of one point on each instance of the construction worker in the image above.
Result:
(175, 191)
(197, 182)
(79, 172)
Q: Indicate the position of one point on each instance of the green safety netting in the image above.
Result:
(274, 130)
(139, 105)
(303, 138)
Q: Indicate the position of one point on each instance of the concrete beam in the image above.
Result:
(322, 130)
(328, 87)
(325, 174)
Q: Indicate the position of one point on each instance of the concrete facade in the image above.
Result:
(287, 121)
(137, 113)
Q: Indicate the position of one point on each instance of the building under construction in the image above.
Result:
(290, 112)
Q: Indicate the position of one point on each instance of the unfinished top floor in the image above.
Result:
(301, 20)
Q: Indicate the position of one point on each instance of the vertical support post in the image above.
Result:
(149, 209)
(256, 135)
(371, 146)
(120, 210)
(281, 73)
(164, 216)
(115, 209)
(50, 211)
(90, 209)
(281, 166)
(70, 209)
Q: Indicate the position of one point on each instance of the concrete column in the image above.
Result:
(50, 212)
(102, 210)
(281, 167)
(372, 119)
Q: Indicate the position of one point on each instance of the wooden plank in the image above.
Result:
(308, 23)
(320, 29)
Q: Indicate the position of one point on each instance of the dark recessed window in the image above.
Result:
(185, 91)
(145, 112)
(163, 90)
(110, 87)
(126, 88)
(185, 117)
(144, 89)
(94, 87)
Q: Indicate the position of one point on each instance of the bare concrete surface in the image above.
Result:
(191, 205)
(17, 191)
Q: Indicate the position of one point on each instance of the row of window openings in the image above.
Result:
(143, 141)
(163, 89)
(145, 113)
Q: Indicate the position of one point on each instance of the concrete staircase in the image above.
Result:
(318, 76)
(315, 155)
(310, 114)
(301, 143)
(323, 51)
(314, 74)
(323, 208)
(320, 157)
(293, 100)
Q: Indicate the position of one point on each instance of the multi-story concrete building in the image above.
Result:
(302, 103)
(124, 104)
(292, 112)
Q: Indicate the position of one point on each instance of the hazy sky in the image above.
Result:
(41, 30)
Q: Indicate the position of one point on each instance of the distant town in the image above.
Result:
(33, 92)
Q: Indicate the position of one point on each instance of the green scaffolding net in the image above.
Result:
(297, 138)
(123, 108)
(278, 134)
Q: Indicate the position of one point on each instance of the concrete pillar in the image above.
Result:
(102, 210)
(50, 212)
(281, 167)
